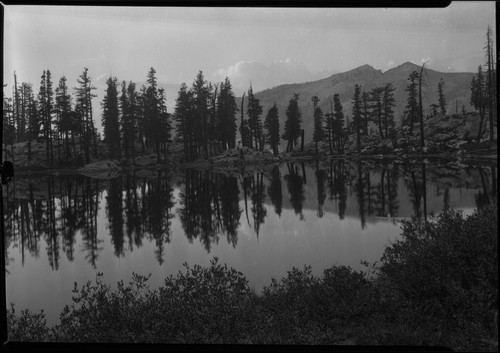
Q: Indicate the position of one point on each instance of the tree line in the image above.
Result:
(205, 117)
(66, 129)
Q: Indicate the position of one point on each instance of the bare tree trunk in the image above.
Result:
(421, 109)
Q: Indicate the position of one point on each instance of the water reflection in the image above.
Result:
(210, 206)
(52, 209)
(274, 190)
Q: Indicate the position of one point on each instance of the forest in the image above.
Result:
(207, 120)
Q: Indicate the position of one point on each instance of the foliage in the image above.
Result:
(110, 118)
(424, 263)
(318, 122)
(447, 268)
(27, 327)
(272, 125)
(356, 114)
(254, 111)
(226, 115)
(411, 110)
(442, 98)
(293, 122)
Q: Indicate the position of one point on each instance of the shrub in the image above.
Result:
(99, 314)
(446, 269)
(26, 327)
(204, 305)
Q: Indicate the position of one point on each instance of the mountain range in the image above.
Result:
(456, 92)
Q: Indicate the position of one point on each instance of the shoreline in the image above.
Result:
(241, 163)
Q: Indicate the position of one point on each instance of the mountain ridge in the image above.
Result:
(456, 91)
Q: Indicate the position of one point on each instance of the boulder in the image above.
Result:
(107, 169)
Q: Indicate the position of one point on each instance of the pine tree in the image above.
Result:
(356, 114)
(17, 111)
(421, 83)
(442, 99)
(32, 127)
(8, 126)
(329, 128)
(45, 112)
(243, 123)
(365, 111)
(62, 107)
(338, 117)
(48, 116)
(411, 110)
(388, 104)
(226, 115)
(318, 133)
(153, 128)
(84, 97)
(213, 132)
(254, 111)
(491, 81)
(201, 94)
(293, 122)
(272, 125)
(110, 118)
(184, 116)
(164, 121)
(131, 123)
(124, 111)
(478, 98)
(376, 96)
(141, 120)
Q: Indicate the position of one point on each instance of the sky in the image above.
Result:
(267, 46)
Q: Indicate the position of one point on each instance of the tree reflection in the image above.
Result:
(486, 194)
(258, 196)
(321, 176)
(230, 207)
(337, 180)
(88, 203)
(57, 210)
(41, 208)
(295, 185)
(416, 182)
(209, 207)
(159, 203)
(274, 190)
(51, 238)
(114, 212)
(133, 224)
(361, 196)
(385, 193)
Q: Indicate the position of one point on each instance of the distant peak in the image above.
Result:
(406, 66)
(362, 68)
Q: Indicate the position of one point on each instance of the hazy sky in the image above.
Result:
(177, 42)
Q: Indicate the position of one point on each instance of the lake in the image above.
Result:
(66, 228)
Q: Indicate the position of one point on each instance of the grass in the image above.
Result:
(437, 286)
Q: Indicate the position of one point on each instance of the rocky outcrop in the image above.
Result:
(443, 135)
(107, 169)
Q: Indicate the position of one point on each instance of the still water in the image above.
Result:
(64, 229)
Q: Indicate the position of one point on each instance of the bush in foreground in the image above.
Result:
(436, 286)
